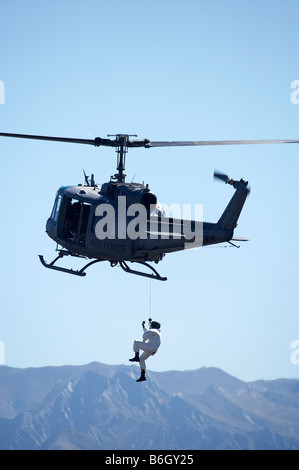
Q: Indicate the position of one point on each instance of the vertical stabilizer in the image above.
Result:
(229, 218)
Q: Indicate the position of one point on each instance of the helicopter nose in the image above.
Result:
(51, 228)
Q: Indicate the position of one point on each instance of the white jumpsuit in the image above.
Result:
(149, 345)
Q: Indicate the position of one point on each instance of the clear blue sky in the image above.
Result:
(167, 70)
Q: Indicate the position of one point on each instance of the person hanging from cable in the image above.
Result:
(150, 345)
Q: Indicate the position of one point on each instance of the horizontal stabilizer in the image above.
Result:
(240, 239)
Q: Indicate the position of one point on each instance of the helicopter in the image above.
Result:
(99, 223)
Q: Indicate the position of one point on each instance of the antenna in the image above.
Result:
(86, 178)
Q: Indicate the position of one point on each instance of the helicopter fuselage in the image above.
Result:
(100, 223)
(123, 222)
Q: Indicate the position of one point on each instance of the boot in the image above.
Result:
(136, 358)
(142, 377)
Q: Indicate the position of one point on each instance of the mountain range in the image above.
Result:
(98, 406)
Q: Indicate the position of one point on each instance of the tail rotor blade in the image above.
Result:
(221, 176)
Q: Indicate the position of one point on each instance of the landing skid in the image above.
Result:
(66, 270)
(153, 275)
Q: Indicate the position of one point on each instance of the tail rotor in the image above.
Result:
(223, 177)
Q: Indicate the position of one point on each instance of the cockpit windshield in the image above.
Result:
(56, 207)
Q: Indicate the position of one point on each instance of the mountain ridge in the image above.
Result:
(98, 406)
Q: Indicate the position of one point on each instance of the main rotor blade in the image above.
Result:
(186, 143)
(96, 142)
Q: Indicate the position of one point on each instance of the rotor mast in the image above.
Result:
(121, 150)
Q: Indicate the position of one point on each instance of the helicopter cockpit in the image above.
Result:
(69, 219)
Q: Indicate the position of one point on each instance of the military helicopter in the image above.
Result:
(99, 222)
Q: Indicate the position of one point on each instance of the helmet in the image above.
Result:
(156, 325)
